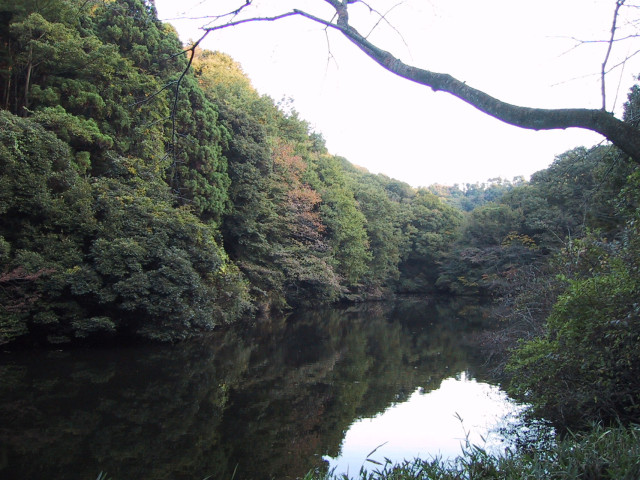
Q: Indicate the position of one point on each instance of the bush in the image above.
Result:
(586, 367)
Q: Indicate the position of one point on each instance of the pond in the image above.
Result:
(274, 399)
(437, 424)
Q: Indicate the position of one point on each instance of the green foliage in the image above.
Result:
(199, 172)
(586, 366)
(108, 253)
(101, 258)
(273, 229)
(304, 226)
(158, 211)
(160, 265)
(87, 89)
(430, 228)
(46, 211)
(73, 130)
(345, 222)
(489, 252)
(472, 196)
(383, 232)
(490, 224)
(501, 242)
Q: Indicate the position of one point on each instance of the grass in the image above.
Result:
(599, 454)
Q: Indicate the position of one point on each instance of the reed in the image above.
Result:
(598, 454)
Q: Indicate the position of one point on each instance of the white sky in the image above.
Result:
(519, 51)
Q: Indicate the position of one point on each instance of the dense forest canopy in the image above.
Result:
(150, 194)
(144, 199)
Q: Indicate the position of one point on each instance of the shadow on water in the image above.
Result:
(264, 401)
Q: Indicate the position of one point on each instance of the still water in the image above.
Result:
(437, 424)
(275, 399)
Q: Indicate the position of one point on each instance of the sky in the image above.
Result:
(539, 53)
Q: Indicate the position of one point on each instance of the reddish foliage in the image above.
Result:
(13, 283)
(292, 166)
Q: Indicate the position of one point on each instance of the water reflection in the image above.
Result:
(430, 425)
(267, 401)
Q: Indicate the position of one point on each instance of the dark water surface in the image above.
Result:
(272, 400)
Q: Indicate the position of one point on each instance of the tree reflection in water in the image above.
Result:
(267, 401)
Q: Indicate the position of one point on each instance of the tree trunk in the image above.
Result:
(27, 82)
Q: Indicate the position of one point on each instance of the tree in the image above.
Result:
(94, 239)
(382, 226)
(622, 134)
(430, 228)
(585, 366)
(344, 221)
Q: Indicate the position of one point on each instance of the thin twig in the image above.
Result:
(383, 17)
(628, 57)
(619, 4)
(247, 20)
(232, 14)
(615, 99)
(149, 97)
(330, 53)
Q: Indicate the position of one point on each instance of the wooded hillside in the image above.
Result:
(137, 201)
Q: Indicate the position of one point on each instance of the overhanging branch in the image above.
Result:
(621, 134)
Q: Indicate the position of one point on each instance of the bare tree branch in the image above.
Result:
(148, 98)
(213, 18)
(246, 20)
(623, 62)
(383, 17)
(330, 56)
(619, 4)
(623, 135)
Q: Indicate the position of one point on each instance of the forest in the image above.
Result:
(132, 207)
(144, 201)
